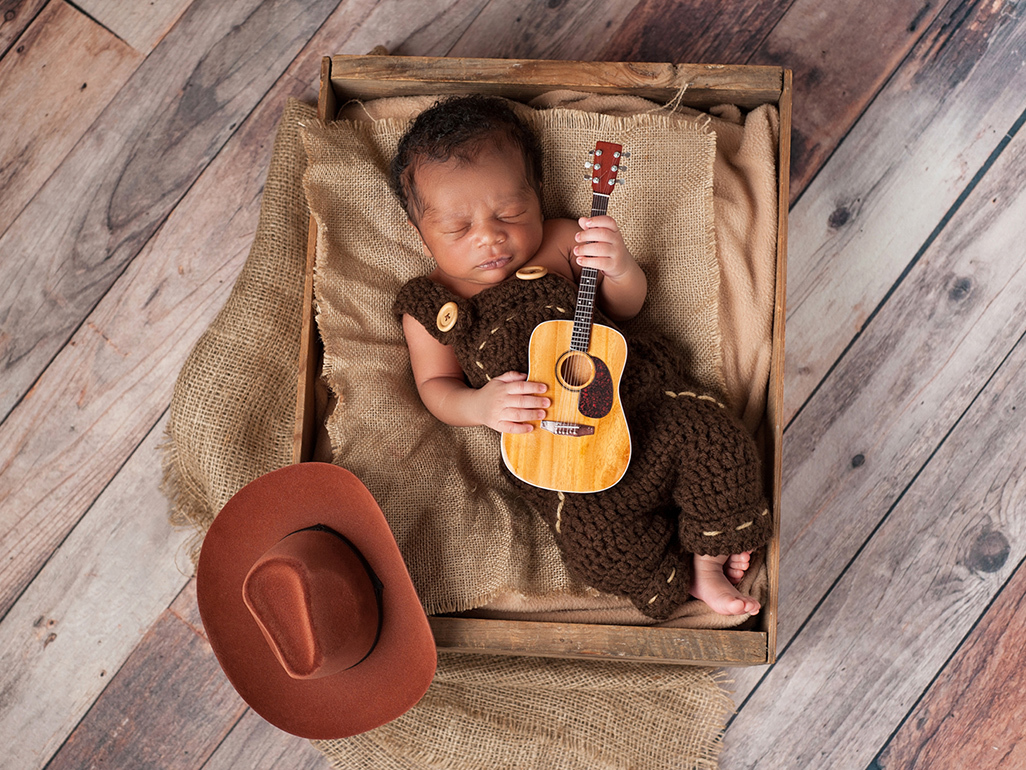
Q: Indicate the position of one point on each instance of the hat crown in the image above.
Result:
(315, 602)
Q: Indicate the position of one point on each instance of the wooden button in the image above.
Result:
(532, 273)
(447, 316)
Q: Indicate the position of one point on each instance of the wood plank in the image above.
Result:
(141, 25)
(168, 706)
(254, 742)
(880, 415)
(126, 174)
(973, 715)
(64, 71)
(576, 640)
(402, 28)
(79, 620)
(368, 77)
(15, 17)
(870, 211)
(552, 30)
(711, 33)
(906, 602)
(840, 57)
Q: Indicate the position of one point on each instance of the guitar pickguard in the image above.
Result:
(597, 397)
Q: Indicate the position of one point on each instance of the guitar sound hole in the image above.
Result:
(576, 370)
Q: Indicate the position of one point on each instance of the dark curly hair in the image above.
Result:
(460, 127)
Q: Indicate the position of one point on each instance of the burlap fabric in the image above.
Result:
(231, 420)
(463, 528)
(571, 715)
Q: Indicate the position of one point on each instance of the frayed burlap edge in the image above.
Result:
(233, 407)
(485, 713)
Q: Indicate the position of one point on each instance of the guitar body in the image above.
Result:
(584, 444)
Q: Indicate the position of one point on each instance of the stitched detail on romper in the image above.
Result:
(479, 365)
(559, 512)
(713, 534)
(653, 598)
(673, 574)
(746, 524)
(688, 393)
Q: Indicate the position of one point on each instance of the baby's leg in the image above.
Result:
(710, 584)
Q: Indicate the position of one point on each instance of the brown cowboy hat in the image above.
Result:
(309, 607)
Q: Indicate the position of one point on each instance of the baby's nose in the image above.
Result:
(492, 233)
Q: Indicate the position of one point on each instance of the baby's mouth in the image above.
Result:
(495, 263)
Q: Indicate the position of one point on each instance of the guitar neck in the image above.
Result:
(585, 309)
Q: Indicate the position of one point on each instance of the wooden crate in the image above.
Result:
(372, 76)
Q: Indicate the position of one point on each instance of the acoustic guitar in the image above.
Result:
(584, 444)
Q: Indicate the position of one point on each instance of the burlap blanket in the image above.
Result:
(231, 420)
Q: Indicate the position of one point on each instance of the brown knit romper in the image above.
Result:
(693, 484)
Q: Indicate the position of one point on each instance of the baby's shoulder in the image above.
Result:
(561, 230)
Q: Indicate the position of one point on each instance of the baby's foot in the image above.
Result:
(710, 584)
(736, 566)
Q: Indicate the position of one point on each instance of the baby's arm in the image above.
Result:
(622, 290)
(504, 404)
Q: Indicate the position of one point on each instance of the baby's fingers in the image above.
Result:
(604, 222)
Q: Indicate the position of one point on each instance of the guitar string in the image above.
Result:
(575, 369)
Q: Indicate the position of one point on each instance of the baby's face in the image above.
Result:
(480, 221)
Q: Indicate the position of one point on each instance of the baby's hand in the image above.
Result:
(600, 245)
(507, 402)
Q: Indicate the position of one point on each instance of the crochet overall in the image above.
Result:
(693, 484)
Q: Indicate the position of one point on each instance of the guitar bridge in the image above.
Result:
(567, 428)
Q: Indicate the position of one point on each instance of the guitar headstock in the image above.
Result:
(605, 166)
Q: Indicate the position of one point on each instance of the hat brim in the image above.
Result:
(393, 677)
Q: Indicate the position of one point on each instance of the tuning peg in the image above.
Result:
(588, 164)
(619, 181)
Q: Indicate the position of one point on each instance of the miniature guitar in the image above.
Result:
(584, 445)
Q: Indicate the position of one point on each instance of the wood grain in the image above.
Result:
(15, 17)
(141, 25)
(255, 743)
(726, 32)
(570, 640)
(169, 706)
(126, 174)
(892, 399)
(867, 215)
(874, 425)
(369, 77)
(905, 603)
(79, 66)
(840, 60)
(550, 30)
(973, 715)
(80, 619)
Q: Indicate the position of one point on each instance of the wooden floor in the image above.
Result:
(134, 138)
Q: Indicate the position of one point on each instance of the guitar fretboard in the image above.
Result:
(585, 309)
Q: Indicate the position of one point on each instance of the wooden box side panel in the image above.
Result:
(577, 640)
(369, 77)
